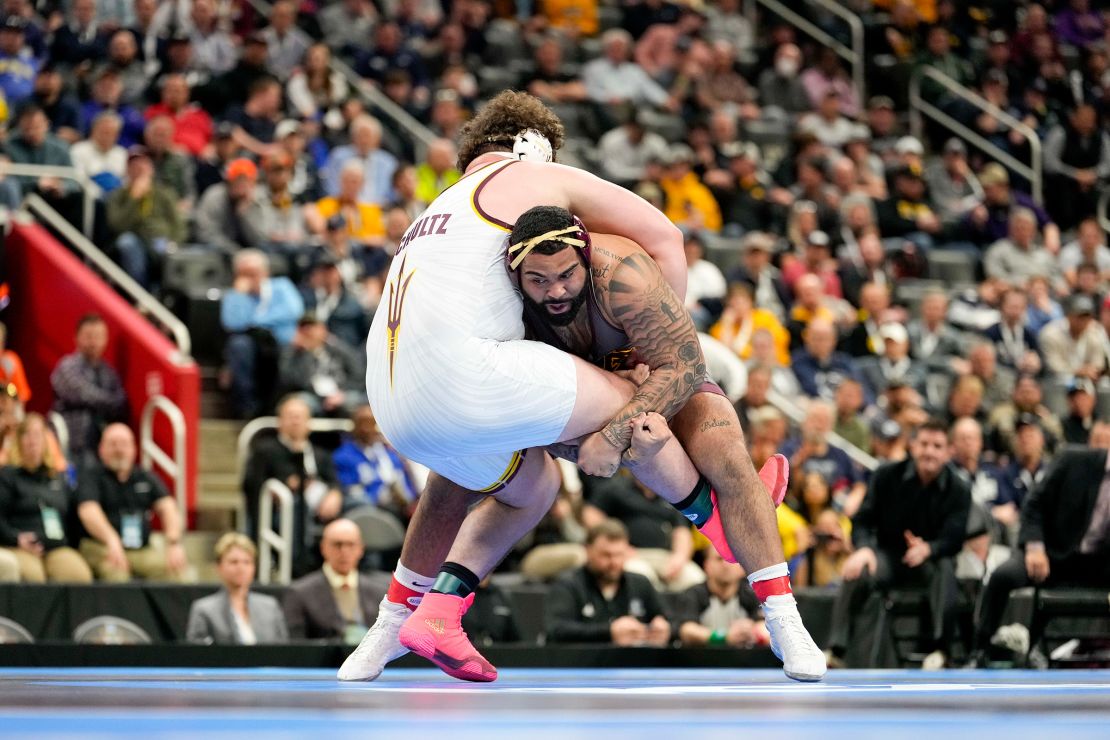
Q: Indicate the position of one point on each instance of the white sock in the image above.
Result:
(412, 579)
(771, 571)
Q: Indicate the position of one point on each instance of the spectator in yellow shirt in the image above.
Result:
(688, 201)
(741, 320)
(364, 220)
(437, 173)
(575, 16)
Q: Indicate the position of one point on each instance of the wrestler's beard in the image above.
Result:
(562, 319)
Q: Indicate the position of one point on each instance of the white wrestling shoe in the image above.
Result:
(801, 659)
(380, 645)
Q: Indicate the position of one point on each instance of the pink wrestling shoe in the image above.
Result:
(775, 475)
(435, 632)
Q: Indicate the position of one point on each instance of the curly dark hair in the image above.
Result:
(501, 119)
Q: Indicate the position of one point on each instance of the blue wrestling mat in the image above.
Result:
(553, 704)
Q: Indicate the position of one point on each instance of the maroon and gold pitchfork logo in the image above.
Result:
(396, 303)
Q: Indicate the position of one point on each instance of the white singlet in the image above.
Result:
(453, 384)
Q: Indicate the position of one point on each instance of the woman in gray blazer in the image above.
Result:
(233, 615)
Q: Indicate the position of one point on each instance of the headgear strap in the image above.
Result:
(521, 249)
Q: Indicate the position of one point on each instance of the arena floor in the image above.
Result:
(562, 704)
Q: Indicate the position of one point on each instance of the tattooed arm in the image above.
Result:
(638, 299)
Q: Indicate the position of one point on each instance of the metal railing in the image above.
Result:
(152, 455)
(421, 135)
(61, 430)
(796, 414)
(271, 541)
(88, 189)
(853, 54)
(144, 301)
(1033, 172)
(1103, 201)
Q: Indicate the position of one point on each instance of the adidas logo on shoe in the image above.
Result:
(439, 626)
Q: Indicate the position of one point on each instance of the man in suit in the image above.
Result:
(1014, 344)
(336, 602)
(908, 529)
(1064, 539)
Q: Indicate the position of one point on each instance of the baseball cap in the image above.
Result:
(880, 101)
(241, 167)
(14, 23)
(886, 429)
(1027, 420)
(758, 240)
(817, 239)
(225, 130)
(1080, 304)
(136, 152)
(909, 145)
(998, 36)
(1075, 385)
(955, 146)
(894, 332)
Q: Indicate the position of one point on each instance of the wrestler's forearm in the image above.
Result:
(664, 392)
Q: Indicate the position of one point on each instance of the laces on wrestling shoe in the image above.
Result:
(791, 643)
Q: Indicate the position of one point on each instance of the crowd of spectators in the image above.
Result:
(813, 223)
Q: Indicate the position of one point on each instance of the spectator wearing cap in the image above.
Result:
(612, 78)
(827, 77)
(882, 123)
(229, 216)
(192, 125)
(1082, 399)
(79, 38)
(377, 164)
(260, 313)
(748, 196)
(828, 123)
(213, 48)
(210, 168)
(781, 92)
(990, 221)
(327, 296)
(292, 142)
(1075, 345)
(933, 341)
(285, 44)
(907, 212)
(100, 158)
(60, 107)
(769, 290)
(107, 95)
(437, 172)
(816, 260)
(256, 119)
(953, 186)
(324, 371)
(1027, 399)
(626, 150)
(888, 439)
(13, 379)
(363, 219)
(688, 201)
(315, 92)
(1027, 466)
(1076, 160)
(893, 364)
(1089, 246)
(999, 57)
(1015, 344)
(1020, 255)
(144, 219)
(18, 65)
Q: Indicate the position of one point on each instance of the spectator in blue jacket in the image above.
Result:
(820, 368)
(260, 314)
(18, 65)
(370, 470)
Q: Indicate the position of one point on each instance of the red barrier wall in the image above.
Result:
(50, 290)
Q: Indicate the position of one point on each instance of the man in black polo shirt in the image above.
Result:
(115, 502)
(908, 529)
(601, 603)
